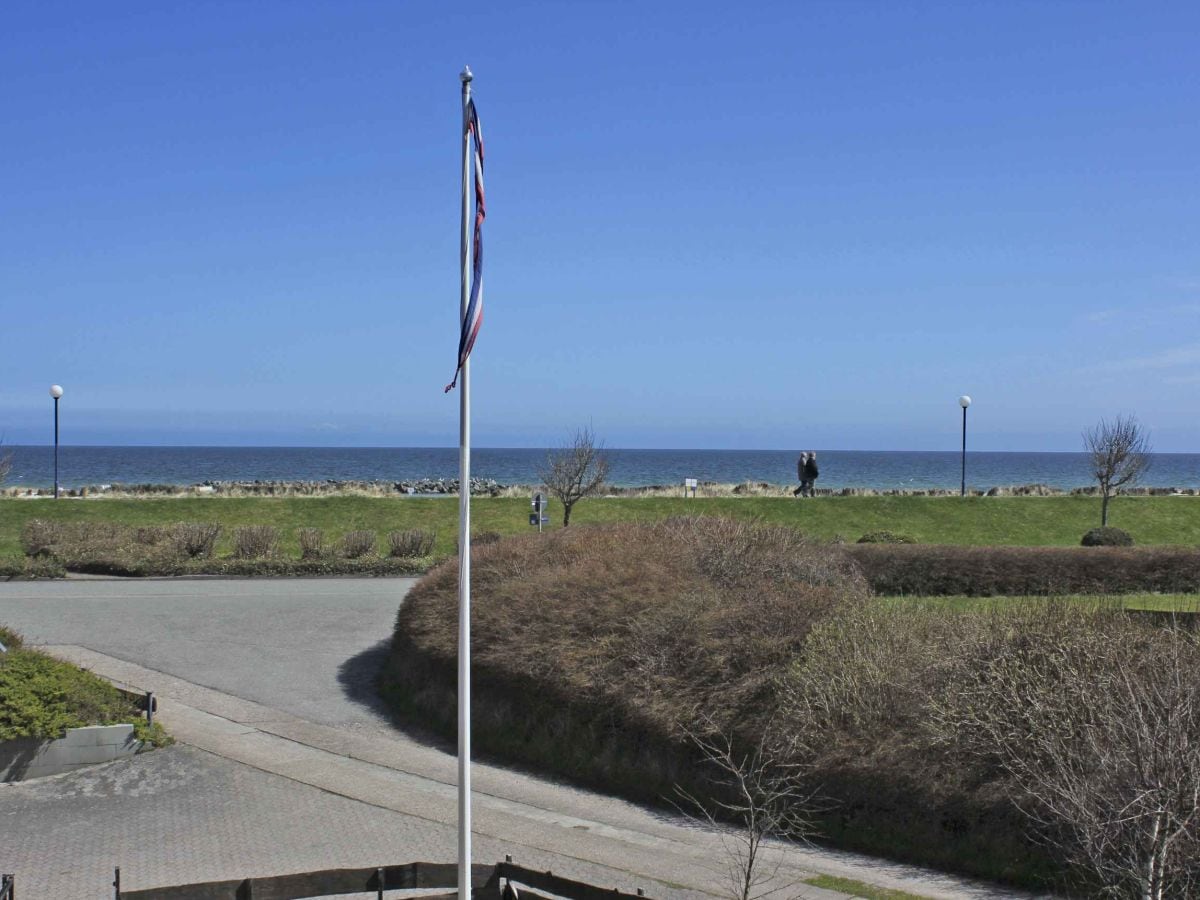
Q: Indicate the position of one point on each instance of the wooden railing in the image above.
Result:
(487, 883)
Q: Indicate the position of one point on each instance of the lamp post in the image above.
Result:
(964, 401)
(56, 392)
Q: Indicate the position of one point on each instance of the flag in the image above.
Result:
(474, 315)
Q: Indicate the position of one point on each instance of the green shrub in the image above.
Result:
(1107, 537)
(941, 569)
(885, 537)
(9, 638)
(255, 541)
(31, 567)
(357, 544)
(312, 543)
(410, 544)
(41, 697)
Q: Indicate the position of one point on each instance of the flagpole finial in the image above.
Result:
(465, 75)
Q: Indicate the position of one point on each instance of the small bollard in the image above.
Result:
(641, 892)
(117, 882)
(149, 707)
(379, 878)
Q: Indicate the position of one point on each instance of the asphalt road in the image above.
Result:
(309, 647)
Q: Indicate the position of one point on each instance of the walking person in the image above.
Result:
(811, 473)
(801, 467)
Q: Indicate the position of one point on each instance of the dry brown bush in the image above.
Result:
(255, 541)
(410, 544)
(312, 543)
(624, 635)
(357, 544)
(150, 535)
(195, 540)
(39, 537)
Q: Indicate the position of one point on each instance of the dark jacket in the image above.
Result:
(810, 469)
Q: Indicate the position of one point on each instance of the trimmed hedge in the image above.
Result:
(944, 570)
(1107, 537)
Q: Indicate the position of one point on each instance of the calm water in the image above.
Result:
(34, 466)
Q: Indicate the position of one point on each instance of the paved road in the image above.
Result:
(308, 646)
(285, 762)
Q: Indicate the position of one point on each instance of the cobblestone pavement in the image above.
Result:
(181, 814)
(289, 765)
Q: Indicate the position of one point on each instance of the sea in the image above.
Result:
(33, 466)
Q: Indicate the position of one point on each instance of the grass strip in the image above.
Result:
(980, 521)
(859, 889)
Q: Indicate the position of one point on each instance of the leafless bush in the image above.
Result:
(1099, 730)
(1119, 454)
(357, 544)
(763, 791)
(312, 543)
(255, 541)
(575, 470)
(39, 537)
(195, 540)
(150, 535)
(410, 544)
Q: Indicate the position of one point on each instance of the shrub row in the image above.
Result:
(942, 570)
(113, 548)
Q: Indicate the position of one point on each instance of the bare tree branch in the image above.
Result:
(1119, 454)
(763, 792)
(575, 470)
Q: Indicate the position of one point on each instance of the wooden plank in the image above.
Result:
(326, 882)
(559, 886)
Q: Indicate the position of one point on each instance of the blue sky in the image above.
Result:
(710, 225)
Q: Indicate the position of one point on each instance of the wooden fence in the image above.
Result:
(488, 883)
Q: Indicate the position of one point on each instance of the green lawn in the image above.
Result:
(859, 889)
(950, 520)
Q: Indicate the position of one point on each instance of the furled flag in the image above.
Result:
(474, 316)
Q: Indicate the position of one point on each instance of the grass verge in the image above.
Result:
(860, 889)
(1025, 521)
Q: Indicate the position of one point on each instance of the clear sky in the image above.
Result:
(761, 225)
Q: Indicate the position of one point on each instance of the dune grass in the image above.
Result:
(1031, 521)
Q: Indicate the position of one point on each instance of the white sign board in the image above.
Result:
(689, 483)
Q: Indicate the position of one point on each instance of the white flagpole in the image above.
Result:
(464, 532)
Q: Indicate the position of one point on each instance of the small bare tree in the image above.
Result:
(5, 463)
(575, 470)
(1119, 453)
(762, 792)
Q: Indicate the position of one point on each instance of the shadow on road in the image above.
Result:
(359, 679)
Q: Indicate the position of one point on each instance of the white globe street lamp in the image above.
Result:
(964, 401)
(56, 392)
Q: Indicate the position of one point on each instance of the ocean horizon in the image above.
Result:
(33, 466)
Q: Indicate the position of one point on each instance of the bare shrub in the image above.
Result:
(763, 791)
(39, 537)
(575, 470)
(410, 544)
(255, 541)
(312, 543)
(1119, 453)
(150, 535)
(1099, 730)
(357, 544)
(195, 540)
